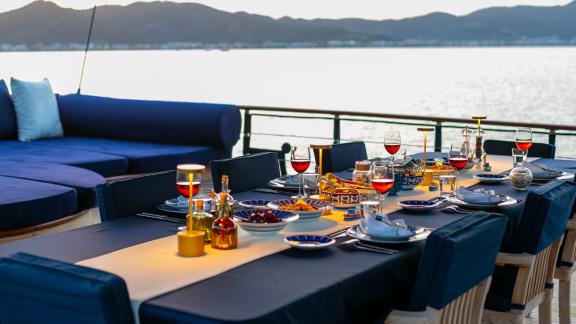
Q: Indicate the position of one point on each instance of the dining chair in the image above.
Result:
(498, 147)
(454, 272)
(129, 196)
(39, 290)
(523, 276)
(565, 268)
(246, 172)
(342, 156)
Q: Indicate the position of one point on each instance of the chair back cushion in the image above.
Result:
(8, 128)
(186, 123)
(546, 212)
(246, 172)
(498, 147)
(342, 156)
(39, 290)
(130, 196)
(456, 258)
(36, 110)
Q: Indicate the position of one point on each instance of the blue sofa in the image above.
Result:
(46, 180)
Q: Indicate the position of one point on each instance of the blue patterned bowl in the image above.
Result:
(309, 242)
(320, 205)
(241, 218)
(411, 182)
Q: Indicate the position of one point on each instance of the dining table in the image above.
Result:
(264, 280)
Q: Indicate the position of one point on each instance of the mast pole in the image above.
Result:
(86, 49)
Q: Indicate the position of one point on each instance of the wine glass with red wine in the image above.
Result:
(186, 173)
(382, 179)
(523, 138)
(300, 161)
(392, 142)
(458, 158)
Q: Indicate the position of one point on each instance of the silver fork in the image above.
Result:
(357, 244)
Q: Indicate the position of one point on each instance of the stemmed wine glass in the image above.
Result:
(523, 139)
(188, 179)
(458, 158)
(382, 180)
(300, 161)
(392, 142)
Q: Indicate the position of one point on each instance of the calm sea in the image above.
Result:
(515, 84)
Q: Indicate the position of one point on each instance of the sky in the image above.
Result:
(369, 9)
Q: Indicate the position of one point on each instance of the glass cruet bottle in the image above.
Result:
(224, 232)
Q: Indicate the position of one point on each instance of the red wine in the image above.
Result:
(382, 185)
(300, 165)
(523, 145)
(392, 148)
(458, 162)
(184, 188)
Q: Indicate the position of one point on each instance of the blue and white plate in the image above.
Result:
(241, 218)
(257, 204)
(309, 242)
(320, 205)
(491, 178)
(172, 209)
(419, 205)
(357, 233)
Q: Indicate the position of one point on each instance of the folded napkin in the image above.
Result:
(543, 172)
(479, 196)
(380, 226)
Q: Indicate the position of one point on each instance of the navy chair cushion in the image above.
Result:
(246, 172)
(26, 203)
(107, 165)
(342, 156)
(142, 157)
(130, 196)
(82, 180)
(456, 258)
(39, 290)
(8, 127)
(543, 221)
(150, 121)
(498, 147)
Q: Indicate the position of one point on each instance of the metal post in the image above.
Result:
(552, 137)
(86, 49)
(247, 131)
(336, 128)
(438, 137)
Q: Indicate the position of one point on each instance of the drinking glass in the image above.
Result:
(523, 138)
(310, 184)
(382, 179)
(447, 185)
(518, 157)
(458, 158)
(187, 174)
(300, 161)
(392, 142)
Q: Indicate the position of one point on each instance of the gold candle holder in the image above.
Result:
(188, 171)
(320, 148)
(191, 243)
(427, 177)
(479, 118)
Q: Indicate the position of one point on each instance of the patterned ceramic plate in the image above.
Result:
(309, 242)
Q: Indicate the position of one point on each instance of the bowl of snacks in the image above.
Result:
(343, 197)
(259, 222)
(305, 208)
(412, 174)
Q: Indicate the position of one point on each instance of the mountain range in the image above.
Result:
(45, 25)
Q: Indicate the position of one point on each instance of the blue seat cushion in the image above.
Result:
(8, 128)
(26, 203)
(40, 290)
(82, 180)
(142, 157)
(456, 258)
(107, 165)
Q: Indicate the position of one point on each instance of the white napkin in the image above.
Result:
(540, 171)
(479, 196)
(378, 226)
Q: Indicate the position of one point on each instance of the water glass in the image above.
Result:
(447, 185)
(369, 208)
(518, 157)
(310, 184)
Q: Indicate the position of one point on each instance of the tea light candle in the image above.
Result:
(191, 243)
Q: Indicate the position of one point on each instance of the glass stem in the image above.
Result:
(300, 184)
(381, 204)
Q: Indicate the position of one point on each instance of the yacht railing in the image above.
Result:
(563, 136)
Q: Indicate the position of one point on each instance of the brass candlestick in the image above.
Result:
(478, 150)
(425, 130)
(320, 148)
(191, 169)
